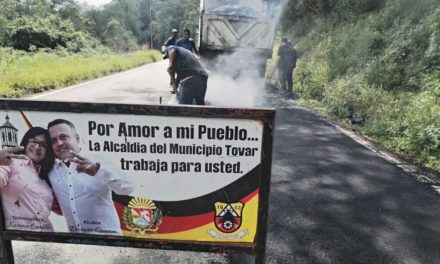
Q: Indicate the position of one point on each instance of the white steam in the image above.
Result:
(234, 80)
(224, 91)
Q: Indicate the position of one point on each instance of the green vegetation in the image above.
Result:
(377, 61)
(179, 14)
(23, 73)
(50, 24)
(374, 61)
(46, 44)
(119, 25)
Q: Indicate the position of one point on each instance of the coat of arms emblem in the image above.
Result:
(142, 216)
(228, 217)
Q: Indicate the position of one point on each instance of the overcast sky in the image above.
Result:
(96, 2)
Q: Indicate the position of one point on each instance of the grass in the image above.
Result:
(22, 74)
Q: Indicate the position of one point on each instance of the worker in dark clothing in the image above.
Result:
(172, 39)
(169, 42)
(193, 77)
(286, 63)
(187, 42)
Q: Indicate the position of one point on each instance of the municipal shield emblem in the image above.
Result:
(228, 217)
(142, 216)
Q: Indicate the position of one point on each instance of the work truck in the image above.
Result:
(236, 35)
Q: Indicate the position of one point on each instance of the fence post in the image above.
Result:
(6, 254)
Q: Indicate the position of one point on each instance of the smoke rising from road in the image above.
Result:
(224, 91)
(234, 80)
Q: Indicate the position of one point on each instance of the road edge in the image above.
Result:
(421, 173)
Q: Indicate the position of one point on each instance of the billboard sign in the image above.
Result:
(175, 175)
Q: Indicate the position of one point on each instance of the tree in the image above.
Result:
(174, 14)
(8, 13)
(118, 38)
(71, 10)
(50, 32)
(24, 22)
(35, 8)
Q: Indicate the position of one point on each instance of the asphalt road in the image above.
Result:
(335, 201)
(332, 199)
(146, 84)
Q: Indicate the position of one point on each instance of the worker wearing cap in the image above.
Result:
(193, 77)
(171, 40)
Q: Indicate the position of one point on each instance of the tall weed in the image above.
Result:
(353, 97)
(23, 73)
(313, 72)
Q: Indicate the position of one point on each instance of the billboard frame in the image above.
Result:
(256, 248)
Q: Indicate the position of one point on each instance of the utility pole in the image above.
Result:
(151, 23)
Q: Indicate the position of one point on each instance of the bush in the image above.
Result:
(354, 97)
(432, 53)
(349, 48)
(422, 120)
(312, 73)
(118, 38)
(378, 60)
(400, 65)
(49, 33)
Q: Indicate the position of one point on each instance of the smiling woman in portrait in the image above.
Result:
(27, 197)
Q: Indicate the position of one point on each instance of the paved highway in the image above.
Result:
(333, 200)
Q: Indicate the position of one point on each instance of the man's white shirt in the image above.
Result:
(86, 201)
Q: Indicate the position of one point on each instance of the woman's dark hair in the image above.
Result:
(47, 162)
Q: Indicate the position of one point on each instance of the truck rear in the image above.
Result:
(235, 35)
